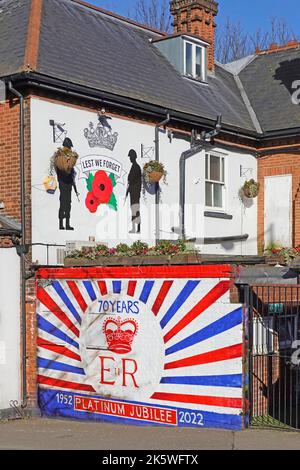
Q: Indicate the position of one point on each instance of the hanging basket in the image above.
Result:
(155, 177)
(65, 160)
(250, 189)
(154, 172)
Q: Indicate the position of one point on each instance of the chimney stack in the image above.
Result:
(196, 17)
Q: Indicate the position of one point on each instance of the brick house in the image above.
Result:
(113, 87)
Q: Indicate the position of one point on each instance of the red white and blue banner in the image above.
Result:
(150, 345)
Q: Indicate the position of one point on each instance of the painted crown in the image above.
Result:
(100, 137)
(120, 334)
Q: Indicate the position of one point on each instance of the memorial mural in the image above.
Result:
(87, 179)
(94, 177)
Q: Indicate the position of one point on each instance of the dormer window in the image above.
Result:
(195, 61)
(188, 54)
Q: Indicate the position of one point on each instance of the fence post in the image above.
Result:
(248, 345)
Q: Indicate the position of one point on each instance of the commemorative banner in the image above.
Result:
(94, 163)
(143, 346)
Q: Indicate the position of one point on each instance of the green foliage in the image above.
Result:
(123, 249)
(138, 248)
(102, 250)
(182, 246)
(113, 203)
(286, 254)
(273, 248)
(89, 182)
(251, 188)
(154, 166)
(166, 247)
(113, 179)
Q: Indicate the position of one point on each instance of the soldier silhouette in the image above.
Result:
(134, 189)
(66, 180)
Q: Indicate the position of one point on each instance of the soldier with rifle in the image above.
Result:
(134, 189)
(64, 162)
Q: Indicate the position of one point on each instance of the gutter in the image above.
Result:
(22, 249)
(157, 159)
(6, 232)
(130, 104)
(50, 84)
(270, 135)
(293, 149)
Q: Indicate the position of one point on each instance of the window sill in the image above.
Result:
(196, 80)
(217, 215)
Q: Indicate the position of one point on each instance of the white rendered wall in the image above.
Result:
(9, 327)
(113, 227)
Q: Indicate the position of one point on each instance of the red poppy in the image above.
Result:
(92, 202)
(102, 187)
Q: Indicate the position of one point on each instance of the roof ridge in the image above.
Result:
(33, 35)
(119, 17)
(243, 62)
(248, 104)
(274, 48)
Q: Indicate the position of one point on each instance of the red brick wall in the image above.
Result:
(10, 188)
(10, 194)
(9, 158)
(31, 343)
(273, 165)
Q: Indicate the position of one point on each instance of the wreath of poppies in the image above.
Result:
(100, 191)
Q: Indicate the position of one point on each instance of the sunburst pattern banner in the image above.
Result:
(150, 346)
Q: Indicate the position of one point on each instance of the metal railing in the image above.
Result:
(274, 353)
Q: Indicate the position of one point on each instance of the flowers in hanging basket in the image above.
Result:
(64, 159)
(250, 189)
(154, 171)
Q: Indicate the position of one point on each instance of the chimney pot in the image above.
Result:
(293, 42)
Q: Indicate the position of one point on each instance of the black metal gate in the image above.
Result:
(274, 356)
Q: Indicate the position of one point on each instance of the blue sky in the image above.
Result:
(252, 13)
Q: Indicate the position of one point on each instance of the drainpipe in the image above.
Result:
(196, 148)
(157, 159)
(22, 250)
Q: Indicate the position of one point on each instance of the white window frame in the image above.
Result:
(223, 183)
(194, 60)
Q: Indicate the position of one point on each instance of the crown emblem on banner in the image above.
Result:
(120, 334)
(101, 136)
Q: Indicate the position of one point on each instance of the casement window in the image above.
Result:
(214, 181)
(195, 61)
